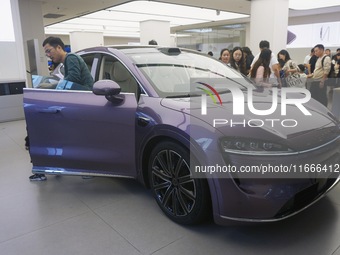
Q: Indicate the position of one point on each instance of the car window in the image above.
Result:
(88, 59)
(52, 81)
(172, 74)
(112, 69)
(105, 72)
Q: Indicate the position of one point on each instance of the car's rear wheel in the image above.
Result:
(182, 198)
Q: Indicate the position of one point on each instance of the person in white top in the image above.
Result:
(274, 64)
(303, 75)
(307, 58)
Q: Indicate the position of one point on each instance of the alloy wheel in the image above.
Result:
(172, 183)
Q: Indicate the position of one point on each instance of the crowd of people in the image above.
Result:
(319, 72)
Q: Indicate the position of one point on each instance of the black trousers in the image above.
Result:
(319, 94)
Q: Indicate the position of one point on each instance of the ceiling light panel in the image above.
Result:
(77, 27)
(138, 17)
(88, 23)
(172, 11)
(127, 17)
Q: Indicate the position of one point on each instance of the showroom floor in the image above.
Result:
(102, 216)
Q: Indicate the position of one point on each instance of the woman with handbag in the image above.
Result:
(290, 70)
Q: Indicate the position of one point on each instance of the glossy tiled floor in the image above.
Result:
(102, 216)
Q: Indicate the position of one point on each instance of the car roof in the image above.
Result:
(137, 48)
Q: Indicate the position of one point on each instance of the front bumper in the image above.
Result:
(272, 199)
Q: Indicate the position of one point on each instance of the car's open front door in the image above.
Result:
(75, 132)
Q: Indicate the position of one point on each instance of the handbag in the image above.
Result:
(295, 80)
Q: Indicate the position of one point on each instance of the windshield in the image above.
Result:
(173, 74)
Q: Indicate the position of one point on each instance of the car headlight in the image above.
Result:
(242, 145)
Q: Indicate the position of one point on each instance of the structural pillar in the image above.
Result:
(33, 35)
(157, 30)
(80, 40)
(269, 21)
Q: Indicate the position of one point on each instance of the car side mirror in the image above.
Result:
(106, 87)
(109, 89)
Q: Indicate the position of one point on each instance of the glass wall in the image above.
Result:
(212, 39)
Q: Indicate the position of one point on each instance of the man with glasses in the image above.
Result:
(76, 69)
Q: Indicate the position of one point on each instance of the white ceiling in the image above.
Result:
(114, 18)
(76, 8)
(124, 20)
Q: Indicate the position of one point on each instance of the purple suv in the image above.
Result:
(202, 137)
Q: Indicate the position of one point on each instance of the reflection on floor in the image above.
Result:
(101, 216)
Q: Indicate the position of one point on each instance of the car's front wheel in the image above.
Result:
(182, 198)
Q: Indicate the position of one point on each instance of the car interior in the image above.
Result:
(112, 69)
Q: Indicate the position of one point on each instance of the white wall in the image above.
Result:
(12, 68)
(120, 40)
(298, 54)
(157, 30)
(81, 40)
(270, 25)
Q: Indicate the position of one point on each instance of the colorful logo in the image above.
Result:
(240, 99)
(208, 92)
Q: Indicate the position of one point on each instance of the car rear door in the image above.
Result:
(79, 132)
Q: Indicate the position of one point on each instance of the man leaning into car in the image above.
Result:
(76, 71)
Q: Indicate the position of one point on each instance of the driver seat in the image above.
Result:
(123, 77)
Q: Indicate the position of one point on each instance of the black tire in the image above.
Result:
(183, 199)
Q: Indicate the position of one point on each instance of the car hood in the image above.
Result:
(302, 131)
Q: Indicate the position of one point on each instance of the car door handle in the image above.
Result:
(49, 110)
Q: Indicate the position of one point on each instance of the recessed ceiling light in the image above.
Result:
(53, 15)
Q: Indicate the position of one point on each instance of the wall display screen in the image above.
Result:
(6, 22)
(305, 36)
